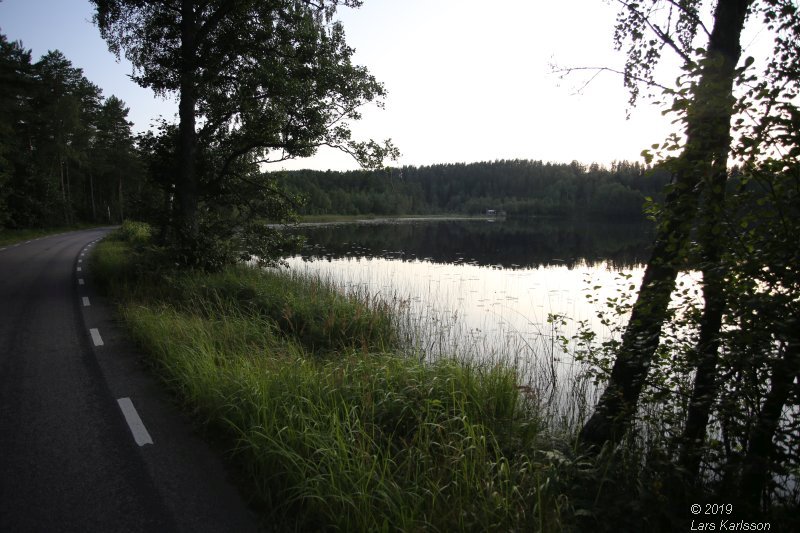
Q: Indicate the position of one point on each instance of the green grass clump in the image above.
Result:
(353, 443)
(330, 426)
(317, 315)
(133, 232)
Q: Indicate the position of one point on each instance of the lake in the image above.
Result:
(482, 288)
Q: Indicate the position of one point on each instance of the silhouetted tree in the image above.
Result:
(708, 107)
(256, 82)
(737, 375)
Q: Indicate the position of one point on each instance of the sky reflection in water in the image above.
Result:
(478, 288)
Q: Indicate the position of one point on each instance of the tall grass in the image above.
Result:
(351, 442)
(329, 422)
(335, 418)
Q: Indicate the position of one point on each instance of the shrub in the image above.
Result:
(136, 233)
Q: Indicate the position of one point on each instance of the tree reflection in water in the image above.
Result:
(482, 290)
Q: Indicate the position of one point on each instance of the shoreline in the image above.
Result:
(361, 219)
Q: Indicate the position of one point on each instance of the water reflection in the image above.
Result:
(484, 291)
(508, 244)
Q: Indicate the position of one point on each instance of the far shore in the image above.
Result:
(325, 220)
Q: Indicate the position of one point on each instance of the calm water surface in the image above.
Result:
(480, 288)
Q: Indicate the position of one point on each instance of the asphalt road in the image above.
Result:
(71, 458)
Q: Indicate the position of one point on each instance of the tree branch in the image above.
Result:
(568, 70)
(661, 34)
(239, 152)
(274, 190)
(213, 21)
(693, 16)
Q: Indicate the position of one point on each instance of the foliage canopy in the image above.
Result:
(258, 82)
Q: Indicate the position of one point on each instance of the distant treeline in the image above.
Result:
(517, 187)
(67, 155)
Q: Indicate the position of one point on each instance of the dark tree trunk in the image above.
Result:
(185, 220)
(119, 190)
(63, 189)
(760, 448)
(706, 384)
(91, 191)
(707, 145)
(69, 192)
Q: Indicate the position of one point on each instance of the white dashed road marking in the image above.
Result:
(80, 281)
(79, 269)
(140, 434)
(96, 338)
(86, 301)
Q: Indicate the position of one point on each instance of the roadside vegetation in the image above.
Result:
(329, 424)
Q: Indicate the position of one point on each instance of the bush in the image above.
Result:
(136, 233)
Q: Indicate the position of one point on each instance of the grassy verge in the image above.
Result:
(9, 236)
(328, 423)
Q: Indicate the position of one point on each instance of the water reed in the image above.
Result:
(342, 410)
(331, 421)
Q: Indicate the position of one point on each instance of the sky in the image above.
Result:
(466, 80)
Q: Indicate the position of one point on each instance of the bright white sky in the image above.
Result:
(467, 80)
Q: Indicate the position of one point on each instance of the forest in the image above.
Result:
(67, 154)
(516, 187)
